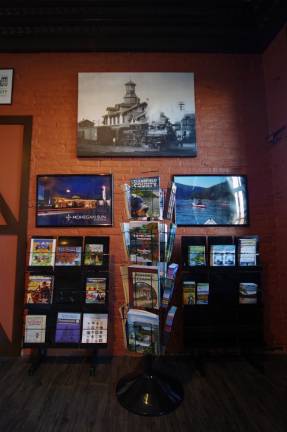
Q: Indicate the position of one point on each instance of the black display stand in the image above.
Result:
(68, 295)
(150, 393)
(223, 323)
(40, 355)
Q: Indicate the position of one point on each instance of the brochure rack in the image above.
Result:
(222, 292)
(147, 316)
(66, 295)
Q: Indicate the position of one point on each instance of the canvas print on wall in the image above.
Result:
(74, 200)
(136, 114)
(211, 200)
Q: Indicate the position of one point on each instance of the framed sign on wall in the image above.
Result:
(136, 114)
(6, 86)
(74, 200)
(211, 200)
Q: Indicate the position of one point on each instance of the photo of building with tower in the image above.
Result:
(74, 200)
(139, 114)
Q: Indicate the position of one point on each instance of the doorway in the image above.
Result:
(15, 152)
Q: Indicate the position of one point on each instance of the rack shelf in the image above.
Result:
(68, 317)
(148, 285)
(230, 316)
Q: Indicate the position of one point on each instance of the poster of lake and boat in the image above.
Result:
(211, 200)
(136, 114)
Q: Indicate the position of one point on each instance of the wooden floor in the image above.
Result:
(232, 396)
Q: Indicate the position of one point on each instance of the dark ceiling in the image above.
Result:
(242, 26)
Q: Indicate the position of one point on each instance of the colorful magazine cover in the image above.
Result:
(143, 331)
(42, 252)
(144, 286)
(189, 293)
(196, 255)
(68, 256)
(68, 327)
(222, 255)
(202, 293)
(170, 242)
(35, 328)
(94, 254)
(127, 196)
(144, 242)
(170, 202)
(163, 239)
(169, 319)
(168, 288)
(247, 251)
(39, 289)
(172, 270)
(95, 328)
(248, 293)
(145, 198)
(96, 290)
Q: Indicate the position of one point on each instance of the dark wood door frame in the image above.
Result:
(18, 228)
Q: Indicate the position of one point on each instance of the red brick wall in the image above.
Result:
(231, 138)
(275, 74)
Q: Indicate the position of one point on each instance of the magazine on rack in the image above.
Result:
(168, 284)
(168, 288)
(69, 251)
(172, 270)
(42, 252)
(169, 238)
(169, 319)
(145, 198)
(39, 289)
(68, 256)
(163, 238)
(35, 328)
(95, 328)
(222, 255)
(94, 254)
(127, 198)
(144, 286)
(189, 292)
(196, 255)
(202, 293)
(248, 293)
(144, 242)
(68, 327)
(148, 242)
(247, 251)
(125, 229)
(170, 202)
(96, 290)
(143, 331)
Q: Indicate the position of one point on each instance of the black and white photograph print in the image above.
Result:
(136, 114)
